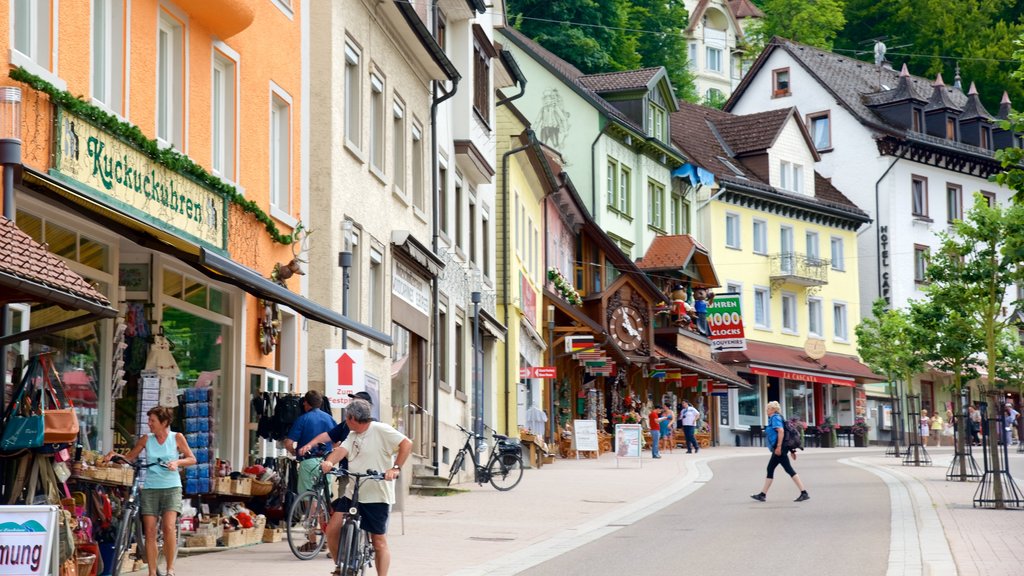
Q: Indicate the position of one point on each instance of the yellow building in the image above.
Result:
(162, 153)
(785, 239)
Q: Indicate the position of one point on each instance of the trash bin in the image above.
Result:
(737, 439)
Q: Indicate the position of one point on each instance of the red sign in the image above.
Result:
(803, 376)
(538, 372)
(529, 300)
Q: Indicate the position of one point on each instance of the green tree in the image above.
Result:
(813, 22)
(661, 42)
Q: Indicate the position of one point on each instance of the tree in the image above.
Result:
(812, 22)
(661, 41)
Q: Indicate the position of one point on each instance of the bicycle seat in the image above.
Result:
(500, 437)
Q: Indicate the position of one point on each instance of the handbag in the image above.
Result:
(61, 421)
(23, 426)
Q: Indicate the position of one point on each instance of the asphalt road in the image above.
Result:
(718, 530)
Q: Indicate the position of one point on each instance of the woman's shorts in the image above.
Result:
(156, 501)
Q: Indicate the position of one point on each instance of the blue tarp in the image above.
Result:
(695, 173)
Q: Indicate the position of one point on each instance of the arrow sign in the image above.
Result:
(344, 374)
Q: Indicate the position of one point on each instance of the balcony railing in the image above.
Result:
(800, 269)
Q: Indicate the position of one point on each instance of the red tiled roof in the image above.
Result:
(616, 81)
(675, 252)
(24, 259)
(792, 358)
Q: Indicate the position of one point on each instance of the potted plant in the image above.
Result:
(860, 432)
(827, 433)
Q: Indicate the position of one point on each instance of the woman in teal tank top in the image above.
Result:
(161, 493)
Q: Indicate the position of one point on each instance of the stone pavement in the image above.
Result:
(935, 529)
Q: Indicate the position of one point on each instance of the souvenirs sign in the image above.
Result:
(115, 173)
(726, 322)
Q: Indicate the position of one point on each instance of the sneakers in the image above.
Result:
(760, 497)
(803, 496)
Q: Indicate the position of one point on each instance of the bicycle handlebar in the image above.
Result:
(137, 465)
(322, 449)
(370, 474)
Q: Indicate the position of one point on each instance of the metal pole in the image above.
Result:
(345, 261)
(478, 384)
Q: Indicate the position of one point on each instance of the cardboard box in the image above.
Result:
(242, 486)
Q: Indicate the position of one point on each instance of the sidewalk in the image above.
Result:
(572, 502)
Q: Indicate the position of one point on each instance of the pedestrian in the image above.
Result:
(936, 428)
(667, 437)
(306, 427)
(1009, 421)
(654, 419)
(924, 426)
(974, 422)
(775, 433)
(688, 417)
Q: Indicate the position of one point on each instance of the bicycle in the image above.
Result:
(355, 549)
(504, 468)
(130, 531)
(308, 516)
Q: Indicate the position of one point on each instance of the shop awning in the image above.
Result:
(705, 368)
(492, 325)
(231, 272)
(845, 370)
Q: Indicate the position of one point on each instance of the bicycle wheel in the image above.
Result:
(123, 542)
(348, 551)
(456, 466)
(161, 559)
(306, 525)
(366, 545)
(506, 471)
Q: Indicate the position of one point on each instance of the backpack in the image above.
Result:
(287, 410)
(791, 440)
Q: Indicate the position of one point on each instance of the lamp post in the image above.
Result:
(478, 381)
(345, 261)
(553, 416)
(10, 157)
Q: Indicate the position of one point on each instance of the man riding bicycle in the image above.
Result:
(370, 446)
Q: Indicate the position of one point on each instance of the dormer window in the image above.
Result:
(780, 82)
(791, 177)
(656, 121)
(950, 128)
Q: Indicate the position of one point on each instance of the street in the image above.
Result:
(867, 515)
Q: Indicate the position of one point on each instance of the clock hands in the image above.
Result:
(628, 324)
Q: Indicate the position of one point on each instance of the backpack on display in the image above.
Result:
(287, 410)
(791, 440)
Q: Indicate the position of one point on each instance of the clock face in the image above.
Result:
(627, 328)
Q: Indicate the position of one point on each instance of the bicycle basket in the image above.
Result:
(509, 446)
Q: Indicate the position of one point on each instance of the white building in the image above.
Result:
(715, 40)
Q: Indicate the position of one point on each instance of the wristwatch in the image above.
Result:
(397, 467)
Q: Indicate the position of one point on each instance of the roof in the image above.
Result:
(745, 9)
(708, 368)
(696, 131)
(974, 108)
(675, 252)
(790, 358)
(28, 271)
(621, 81)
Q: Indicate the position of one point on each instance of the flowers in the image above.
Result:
(860, 427)
(828, 426)
(564, 287)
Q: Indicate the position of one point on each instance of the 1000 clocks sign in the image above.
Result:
(115, 173)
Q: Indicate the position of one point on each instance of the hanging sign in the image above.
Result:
(343, 375)
(27, 537)
(725, 319)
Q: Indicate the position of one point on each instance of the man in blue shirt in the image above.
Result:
(311, 424)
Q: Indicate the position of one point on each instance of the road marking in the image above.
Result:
(917, 542)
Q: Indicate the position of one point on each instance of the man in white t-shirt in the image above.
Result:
(370, 446)
(688, 417)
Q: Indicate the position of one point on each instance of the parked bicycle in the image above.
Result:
(504, 467)
(308, 515)
(355, 550)
(130, 530)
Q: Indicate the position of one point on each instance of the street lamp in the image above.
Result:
(552, 417)
(10, 157)
(345, 261)
(478, 381)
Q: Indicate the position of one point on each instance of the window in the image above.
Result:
(786, 249)
(760, 237)
(812, 248)
(692, 52)
(656, 120)
(459, 224)
(954, 202)
(481, 82)
(839, 321)
(820, 126)
(762, 308)
(460, 351)
(31, 39)
(919, 200)
(224, 116)
(280, 148)
(442, 194)
(398, 145)
(986, 137)
(108, 35)
(732, 231)
(714, 59)
(625, 187)
(375, 287)
(780, 82)
(376, 123)
(814, 317)
(472, 230)
(714, 97)
(170, 80)
(791, 176)
(678, 214)
(918, 119)
(613, 182)
(442, 345)
(990, 197)
(353, 92)
(920, 263)
(418, 199)
(838, 257)
(485, 243)
(950, 128)
(441, 34)
(788, 312)
(655, 198)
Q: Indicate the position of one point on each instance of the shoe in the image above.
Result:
(308, 547)
(803, 496)
(760, 497)
(655, 456)
(689, 452)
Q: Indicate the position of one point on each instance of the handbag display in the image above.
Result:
(23, 423)
(60, 421)
(41, 412)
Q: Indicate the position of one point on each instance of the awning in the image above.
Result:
(231, 272)
(706, 368)
(408, 244)
(801, 376)
(846, 370)
(492, 325)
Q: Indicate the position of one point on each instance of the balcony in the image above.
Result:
(799, 269)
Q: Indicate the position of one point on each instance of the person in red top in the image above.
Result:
(655, 418)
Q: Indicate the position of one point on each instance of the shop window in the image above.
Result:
(748, 406)
(799, 401)
(264, 380)
(172, 283)
(170, 80)
(409, 388)
(65, 242)
(195, 293)
(108, 36)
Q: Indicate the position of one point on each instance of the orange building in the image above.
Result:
(162, 160)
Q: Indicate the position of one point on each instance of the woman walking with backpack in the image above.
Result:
(775, 433)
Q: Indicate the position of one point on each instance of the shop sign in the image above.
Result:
(115, 173)
(410, 288)
(725, 320)
(584, 433)
(538, 372)
(27, 535)
(627, 441)
(344, 374)
(803, 376)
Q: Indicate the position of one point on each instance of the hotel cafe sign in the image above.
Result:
(118, 175)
